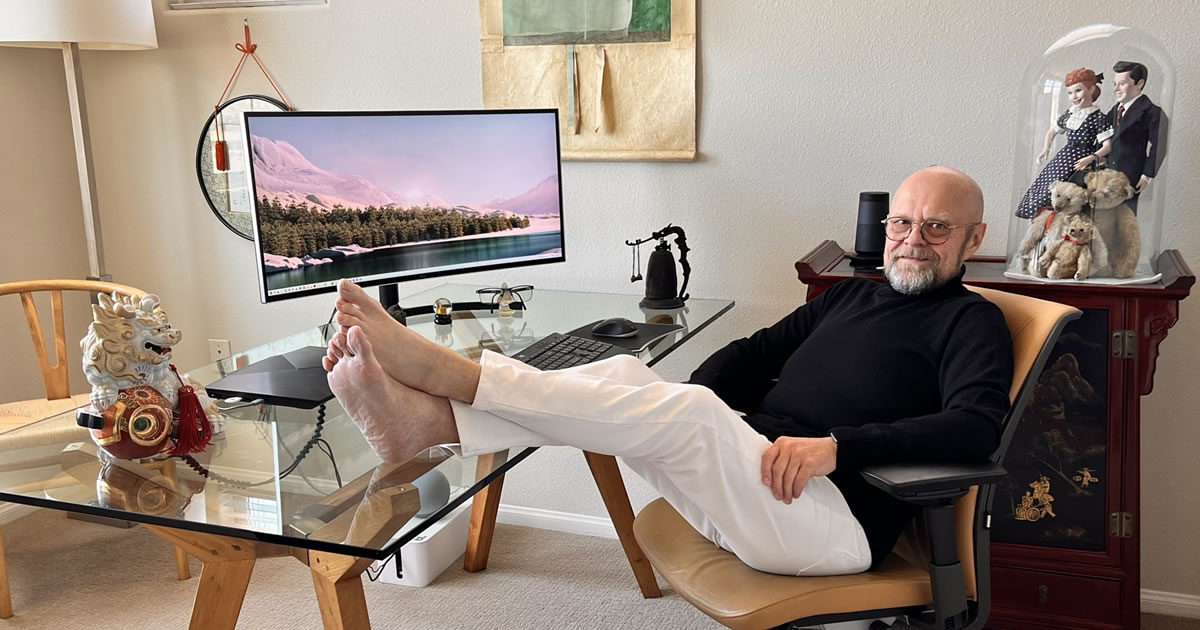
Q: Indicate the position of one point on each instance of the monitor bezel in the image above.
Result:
(264, 298)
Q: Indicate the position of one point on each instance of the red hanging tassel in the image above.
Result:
(194, 431)
(219, 154)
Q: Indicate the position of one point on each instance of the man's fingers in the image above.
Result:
(800, 481)
(768, 460)
(789, 479)
(777, 471)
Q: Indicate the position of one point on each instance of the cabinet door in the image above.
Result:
(1064, 463)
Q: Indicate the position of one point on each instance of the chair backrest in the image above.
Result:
(54, 376)
(1034, 326)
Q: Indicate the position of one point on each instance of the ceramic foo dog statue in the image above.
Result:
(140, 406)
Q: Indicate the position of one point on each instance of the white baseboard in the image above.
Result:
(1173, 604)
(556, 521)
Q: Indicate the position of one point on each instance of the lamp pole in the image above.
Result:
(83, 160)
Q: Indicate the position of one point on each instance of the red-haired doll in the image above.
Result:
(1089, 138)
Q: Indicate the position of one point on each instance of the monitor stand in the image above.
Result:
(389, 297)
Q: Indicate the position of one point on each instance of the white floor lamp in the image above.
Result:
(74, 25)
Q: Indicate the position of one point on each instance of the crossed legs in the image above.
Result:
(411, 394)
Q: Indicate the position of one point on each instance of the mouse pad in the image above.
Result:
(646, 333)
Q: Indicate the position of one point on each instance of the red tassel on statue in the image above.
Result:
(194, 431)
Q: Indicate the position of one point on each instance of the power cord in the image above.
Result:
(241, 483)
(374, 575)
(328, 450)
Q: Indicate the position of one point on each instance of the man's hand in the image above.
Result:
(1143, 181)
(790, 462)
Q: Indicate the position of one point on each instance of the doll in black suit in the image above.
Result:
(1139, 142)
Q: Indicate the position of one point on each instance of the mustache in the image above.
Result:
(913, 252)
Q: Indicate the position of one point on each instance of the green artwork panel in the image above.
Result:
(557, 22)
(651, 16)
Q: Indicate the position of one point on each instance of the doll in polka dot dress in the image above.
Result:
(1089, 138)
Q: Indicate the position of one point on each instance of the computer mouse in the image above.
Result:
(615, 327)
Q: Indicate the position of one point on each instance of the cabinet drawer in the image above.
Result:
(1042, 593)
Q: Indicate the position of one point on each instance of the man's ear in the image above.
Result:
(976, 239)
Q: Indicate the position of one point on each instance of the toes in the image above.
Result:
(328, 363)
(337, 345)
(351, 292)
(346, 320)
(357, 344)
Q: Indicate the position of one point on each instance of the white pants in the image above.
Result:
(683, 440)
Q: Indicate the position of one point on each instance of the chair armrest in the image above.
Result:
(918, 481)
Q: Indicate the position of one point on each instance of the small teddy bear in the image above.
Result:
(1115, 222)
(1066, 200)
(1071, 255)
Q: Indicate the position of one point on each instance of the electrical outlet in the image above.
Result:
(218, 349)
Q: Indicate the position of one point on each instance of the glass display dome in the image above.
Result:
(1089, 189)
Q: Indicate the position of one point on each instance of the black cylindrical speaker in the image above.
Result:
(869, 238)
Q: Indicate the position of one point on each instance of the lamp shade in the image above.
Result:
(93, 24)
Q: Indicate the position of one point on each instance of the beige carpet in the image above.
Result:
(73, 575)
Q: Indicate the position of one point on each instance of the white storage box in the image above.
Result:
(429, 554)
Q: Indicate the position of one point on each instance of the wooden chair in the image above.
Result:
(923, 577)
(54, 379)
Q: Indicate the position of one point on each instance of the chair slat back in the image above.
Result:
(55, 375)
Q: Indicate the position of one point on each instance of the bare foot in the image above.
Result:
(405, 355)
(397, 421)
(335, 351)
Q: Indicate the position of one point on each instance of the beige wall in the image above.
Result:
(801, 105)
(41, 223)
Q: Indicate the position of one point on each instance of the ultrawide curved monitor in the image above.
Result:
(380, 197)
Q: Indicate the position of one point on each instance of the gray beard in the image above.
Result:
(913, 282)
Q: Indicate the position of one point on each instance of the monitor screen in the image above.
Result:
(379, 197)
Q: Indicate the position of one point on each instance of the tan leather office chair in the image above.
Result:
(54, 379)
(923, 577)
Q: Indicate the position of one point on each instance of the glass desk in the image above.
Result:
(285, 481)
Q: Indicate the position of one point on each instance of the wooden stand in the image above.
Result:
(1078, 568)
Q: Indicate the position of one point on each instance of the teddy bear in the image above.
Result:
(1071, 255)
(1108, 190)
(1066, 200)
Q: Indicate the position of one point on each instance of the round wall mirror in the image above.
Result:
(228, 191)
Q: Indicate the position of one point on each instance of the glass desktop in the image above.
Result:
(241, 485)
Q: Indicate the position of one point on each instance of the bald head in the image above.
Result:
(943, 208)
(944, 189)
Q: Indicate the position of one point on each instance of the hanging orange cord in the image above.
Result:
(247, 50)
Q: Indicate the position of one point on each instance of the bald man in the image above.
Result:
(914, 369)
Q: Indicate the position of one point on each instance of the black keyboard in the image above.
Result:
(558, 351)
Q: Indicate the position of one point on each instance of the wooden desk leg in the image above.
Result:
(338, 581)
(182, 570)
(5, 597)
(616, 500)
(228, 563)
(483, 524)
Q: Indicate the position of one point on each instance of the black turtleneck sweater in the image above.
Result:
(893, 377)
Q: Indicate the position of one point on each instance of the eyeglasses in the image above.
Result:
(517, 295)
(934, 232)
